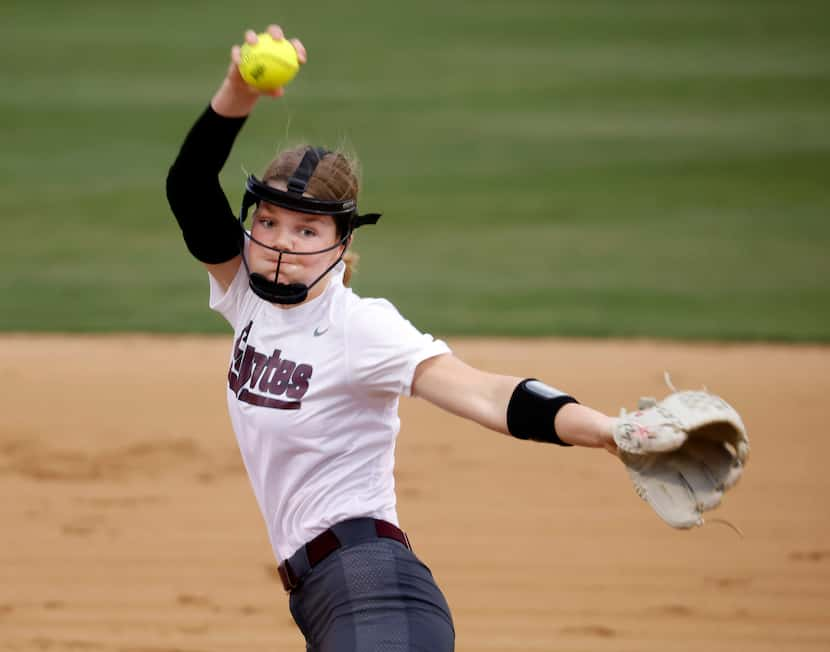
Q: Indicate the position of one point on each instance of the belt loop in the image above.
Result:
(321, 547)
(289, 579)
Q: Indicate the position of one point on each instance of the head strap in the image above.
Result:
(368, 218)
(311, 159)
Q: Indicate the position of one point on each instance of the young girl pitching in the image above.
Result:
(314, 377)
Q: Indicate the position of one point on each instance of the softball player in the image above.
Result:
(314, 377)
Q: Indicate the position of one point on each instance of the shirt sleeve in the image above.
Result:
(383, 349)
(228, 302)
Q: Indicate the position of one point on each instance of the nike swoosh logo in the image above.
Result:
(318, 332)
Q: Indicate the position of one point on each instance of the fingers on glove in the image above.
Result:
(648, 431)
(669, 495)
(704, 486)
(722, 463)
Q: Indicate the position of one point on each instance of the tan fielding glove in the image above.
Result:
(683, 453)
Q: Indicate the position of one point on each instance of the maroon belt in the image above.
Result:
(340, 535)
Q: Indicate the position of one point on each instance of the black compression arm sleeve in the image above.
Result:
(210, 229)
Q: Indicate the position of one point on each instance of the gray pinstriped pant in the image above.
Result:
(374, 596)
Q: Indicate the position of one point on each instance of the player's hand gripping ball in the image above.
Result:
(268, 64)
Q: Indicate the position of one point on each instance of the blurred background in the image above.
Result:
(588, 168)
(584, 168)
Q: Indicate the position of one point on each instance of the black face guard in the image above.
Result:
(293, 199)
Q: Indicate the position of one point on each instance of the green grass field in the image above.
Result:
(583, 168)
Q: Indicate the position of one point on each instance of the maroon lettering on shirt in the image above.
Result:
(260, 364)
(271, 367)
(267, 401)
(299, 381)
(251, 370)
(281, 377)
(237, 380)
(237, 347)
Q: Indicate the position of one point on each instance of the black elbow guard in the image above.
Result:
(532, 411)
(210, 231)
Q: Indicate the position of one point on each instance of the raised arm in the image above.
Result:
(486, 398)
(201, 208)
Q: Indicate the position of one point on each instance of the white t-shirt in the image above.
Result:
(313, 398)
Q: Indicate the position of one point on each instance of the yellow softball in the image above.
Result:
(268, 64)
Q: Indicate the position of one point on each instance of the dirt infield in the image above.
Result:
(128, 523)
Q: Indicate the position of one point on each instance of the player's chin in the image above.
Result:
(269, 271)
(267, 266)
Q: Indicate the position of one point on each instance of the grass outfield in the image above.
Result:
(582, 168)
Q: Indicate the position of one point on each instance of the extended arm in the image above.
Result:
(483, 397)
(682, 454)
